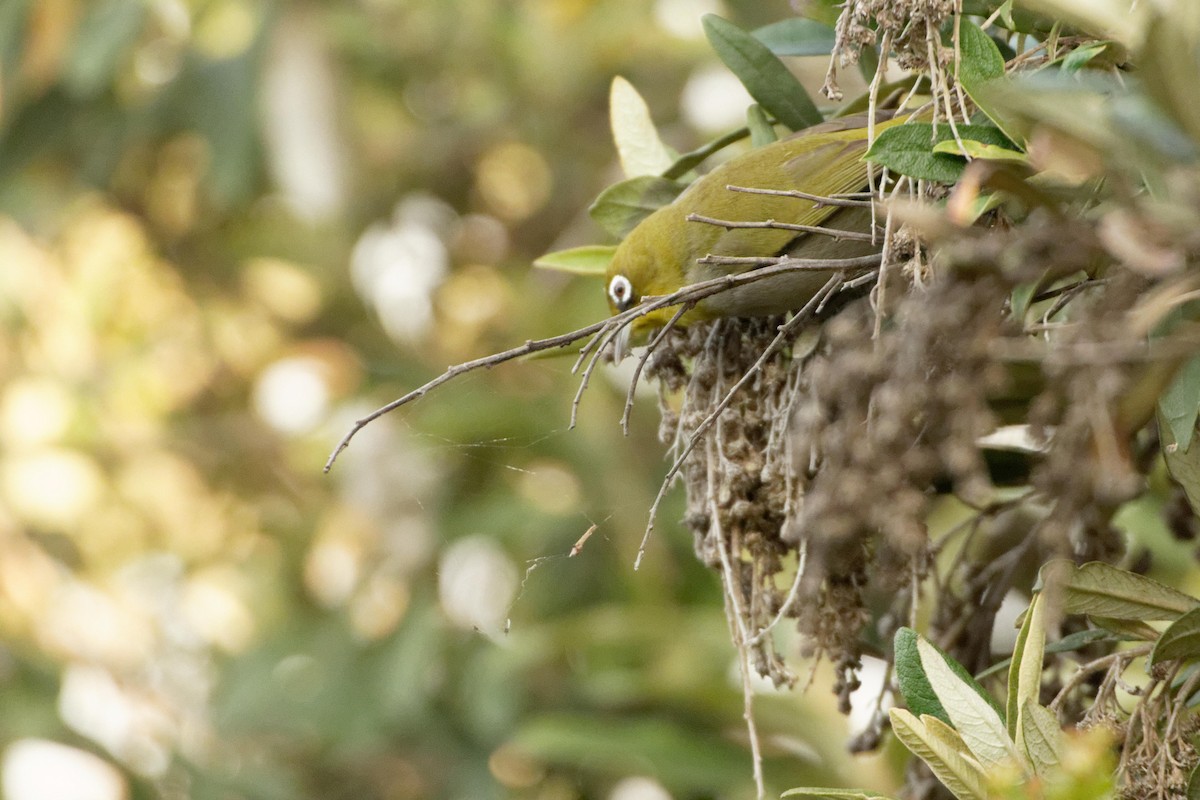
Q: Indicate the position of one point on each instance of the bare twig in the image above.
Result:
(637, 373)
(693, 293)
(811, 265)
(819, 199)
(737, 629)
(785, 226)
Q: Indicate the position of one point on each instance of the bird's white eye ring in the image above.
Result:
(620, 291)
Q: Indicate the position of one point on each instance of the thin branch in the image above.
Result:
(737, 628)
(796, 264)
(637, 373)
(819, 199)
(785, 226)
(607, 337)
(693, 293)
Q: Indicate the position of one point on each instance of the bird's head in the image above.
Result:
(650, 262)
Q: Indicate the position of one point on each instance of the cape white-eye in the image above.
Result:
(659, 256)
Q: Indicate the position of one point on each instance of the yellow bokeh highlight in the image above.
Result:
(34, 410)
(225, 29)
(550, 487)
(513, 180)
(283, 288)
(52, 487)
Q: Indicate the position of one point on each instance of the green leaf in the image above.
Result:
(620, 207)
(982, 66)
(821, 793)
(1025, 673)
(638, 144)
(908, 149)
(1130, 630)
(948, 760)
(974, 149)
(1179, 406)
(1184, 468)
(918, 694)
(1181, 639)
(586, 260)
(1073, 641)
(981, 60)
(797, 37)
(762, 73)
(762, 132)
(1103, 590)
(910, 675)
(976, 720)
(1193, 787)
(1080, 57)
(1040, 737)
(693, 158)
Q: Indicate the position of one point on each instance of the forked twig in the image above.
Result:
(693, 293)
(637, 373)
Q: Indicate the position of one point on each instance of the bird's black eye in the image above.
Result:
(620, 292)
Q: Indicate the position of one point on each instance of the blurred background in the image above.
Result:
(227, 229)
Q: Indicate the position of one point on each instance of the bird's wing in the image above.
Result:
(834, 167)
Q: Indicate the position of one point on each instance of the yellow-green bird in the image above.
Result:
(659, 256)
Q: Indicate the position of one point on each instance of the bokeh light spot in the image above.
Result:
(39, 769)
(225, 29)
(550, 487)
(34, 411)
(476, 583)
(513, 180)
(54, 487)
(292, 395)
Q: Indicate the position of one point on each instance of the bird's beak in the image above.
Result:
(620, 344)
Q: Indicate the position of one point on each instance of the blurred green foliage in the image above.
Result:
(192, 312)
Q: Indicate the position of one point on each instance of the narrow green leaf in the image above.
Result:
(638, 144)
(1130, 630)
(797, 36)
(908, 149)
(693, 158)
(974, 149)
(762, 132)
(981, 728)
(1025, 673)
(1080, 57)
(1040, 737)
(1181, 639)
(623, 205)
(1022, 295)
(1006, 14)
(1193, 787)
(1073, 641)
(868, 63)
(762, 73)
(586, 260)
(1103, 590)
(952, 765)
(1179, 405)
